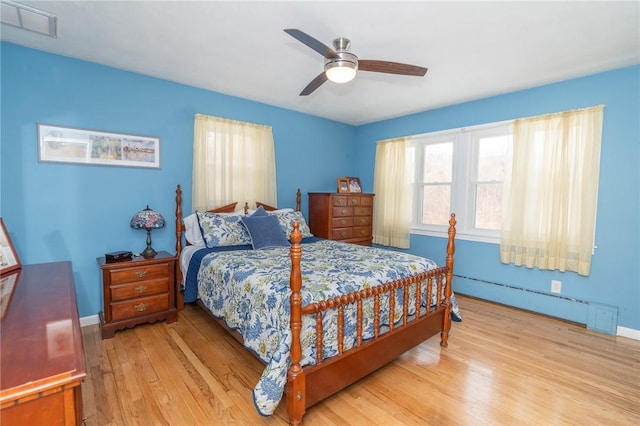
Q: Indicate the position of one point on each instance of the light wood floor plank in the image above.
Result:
(503, 366)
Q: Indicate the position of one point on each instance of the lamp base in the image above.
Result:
(149, 252)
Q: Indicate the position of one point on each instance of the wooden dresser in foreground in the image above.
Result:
(42, 357)
(137, 291)
(344, 217)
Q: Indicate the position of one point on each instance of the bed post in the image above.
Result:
(451, 248)
(179, 294)
(295, 389)
(298, 200)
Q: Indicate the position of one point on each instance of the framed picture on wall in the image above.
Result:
(354, 184)
(9, 260)
(343, 185)
(82, 146)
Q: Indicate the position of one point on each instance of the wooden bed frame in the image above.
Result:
(311, 384)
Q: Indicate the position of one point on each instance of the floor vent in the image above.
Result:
(603, 318)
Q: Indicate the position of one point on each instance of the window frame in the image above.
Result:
(464, 179)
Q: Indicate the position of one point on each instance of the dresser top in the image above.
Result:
(340, 193)
(41, 341)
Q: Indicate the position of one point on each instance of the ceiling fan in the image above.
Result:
(340, 65)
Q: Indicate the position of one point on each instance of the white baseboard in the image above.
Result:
(628, 332)
(92, 320)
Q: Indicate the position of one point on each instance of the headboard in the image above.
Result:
(229, 208)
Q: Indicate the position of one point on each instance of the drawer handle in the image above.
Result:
(141, 307)
(344, 222)
(344, 211)
(343, 234)
(141, 274)
(141, 289)
(363, 233)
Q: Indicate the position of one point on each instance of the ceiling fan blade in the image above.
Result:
(316, 45)
(315, 83)
(391, 67)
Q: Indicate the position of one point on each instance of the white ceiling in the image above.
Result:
(472, 49)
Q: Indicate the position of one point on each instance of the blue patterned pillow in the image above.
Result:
(286, 222)
(220, 230)
(265, 231)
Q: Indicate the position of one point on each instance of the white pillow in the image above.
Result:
(193, 234)
(287, 210)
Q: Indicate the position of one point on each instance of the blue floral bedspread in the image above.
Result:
(250, 290)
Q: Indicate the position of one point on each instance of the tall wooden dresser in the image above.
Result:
(42, 359)
(344, 217)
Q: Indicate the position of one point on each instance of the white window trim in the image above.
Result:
(461, 200)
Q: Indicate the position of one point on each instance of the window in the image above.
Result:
(233, 161)
(461, 171)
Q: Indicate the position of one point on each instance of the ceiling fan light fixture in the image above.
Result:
(341, 69)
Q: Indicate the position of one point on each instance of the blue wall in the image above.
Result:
(76, 212)
(615, 273)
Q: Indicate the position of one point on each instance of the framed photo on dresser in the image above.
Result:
(343, 185)
(354, 184)
(9, 260)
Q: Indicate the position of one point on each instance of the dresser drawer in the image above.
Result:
(361, 232)
(141, 306)
(140, 273)
(342, 222)
(342, 211)
(340, 200)
(366, 201)
(139, 289)
(354, 200)
(362, 220)
(341, 233)
(362, 211)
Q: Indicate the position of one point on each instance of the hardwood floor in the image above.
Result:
(503, 366)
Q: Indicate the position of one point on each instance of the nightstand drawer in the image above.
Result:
(142, 306)
(147, 272)
(141, 289)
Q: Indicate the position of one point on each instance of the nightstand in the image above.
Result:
(137, 291)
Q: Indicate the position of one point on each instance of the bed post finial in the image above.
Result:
(451, 248)
(298, 200)
(296, 383)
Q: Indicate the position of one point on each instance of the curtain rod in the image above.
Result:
(228, 120)
(570, 111)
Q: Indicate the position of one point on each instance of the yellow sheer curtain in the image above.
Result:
(392, 187)
(551, 191)
(233, 161)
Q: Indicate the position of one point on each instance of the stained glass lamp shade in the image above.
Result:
(147, 219)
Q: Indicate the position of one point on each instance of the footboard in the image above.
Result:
(420, 321)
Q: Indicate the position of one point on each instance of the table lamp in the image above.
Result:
(147, 219)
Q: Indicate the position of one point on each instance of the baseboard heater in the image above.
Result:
(595, 316)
